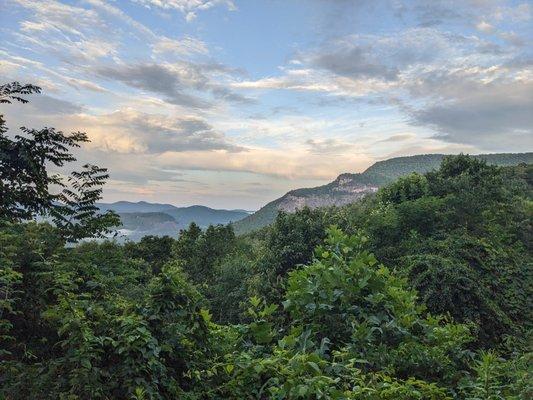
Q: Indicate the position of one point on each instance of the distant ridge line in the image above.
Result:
(351, 187)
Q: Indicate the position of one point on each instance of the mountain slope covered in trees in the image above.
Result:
(348, 188)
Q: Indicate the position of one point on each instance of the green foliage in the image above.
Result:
(379, 174)
(169, 319)
(290, 242)
(155, 250)
(14, 91)
(202, 251)
(87, 326)
(410, 187)
(355, 332)
(462, 241)
(77, 215)
(494, 378)
(228, 292)
(25, 178)
(10, 279)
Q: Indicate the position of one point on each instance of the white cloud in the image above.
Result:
(181, 47)
(135, 132)
(520, 13)
(85, 84)
(189, 8)
(485, 27)
(489, 116)
(298, 163)
(350, 99)
(464, 88)
(54, 16)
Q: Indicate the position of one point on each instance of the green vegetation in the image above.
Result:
(377, 175)
(421, 291)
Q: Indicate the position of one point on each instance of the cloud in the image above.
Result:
(467, 90)
(116, 12)
(485, 27)
(181, 83)
(189, 8)
(158, 104)
(363, 65)
(44, 105)
(519, 13)
(439, 12)
(328, 146)
(513, 38)
(72, 33)
(54, 16)
(91, 41)
(353, 61)
(85, 84)
(385, 56)
(493, 116)
(134, 132)
(294, 164)
(125, 131)
(431, 147)
(186, 46)
(170, 81)
(313, 80)
(402, 137)
(49, 106)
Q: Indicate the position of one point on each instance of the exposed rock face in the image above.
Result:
(341, 195)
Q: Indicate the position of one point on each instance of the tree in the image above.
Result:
(201, 252)
(461, 235)
(290, 242)
(355, 332)
(410, 187)
(153, 249)
(26, 181)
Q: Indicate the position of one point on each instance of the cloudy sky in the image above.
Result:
(232, 103)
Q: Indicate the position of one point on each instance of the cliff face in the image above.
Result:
(344, 190)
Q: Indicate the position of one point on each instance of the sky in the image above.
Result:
(230, 103)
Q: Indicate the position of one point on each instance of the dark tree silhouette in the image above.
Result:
(26, 182)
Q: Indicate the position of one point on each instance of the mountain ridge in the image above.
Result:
(143, 218)
(351, 187)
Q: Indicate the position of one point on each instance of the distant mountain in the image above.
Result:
(349, 188)
(142, 218)
(132, 207)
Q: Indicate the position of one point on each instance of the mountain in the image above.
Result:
(142, 218)
(205, 216)
(349, 188)
(132, 207)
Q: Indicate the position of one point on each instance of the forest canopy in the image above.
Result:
(421, 291)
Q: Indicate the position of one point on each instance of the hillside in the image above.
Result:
(143, 218)
(349, 188)
(205, 216)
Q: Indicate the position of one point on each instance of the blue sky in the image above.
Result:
(232, 103)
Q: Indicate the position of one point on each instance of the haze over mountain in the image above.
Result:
(142, 218)
(349, 188)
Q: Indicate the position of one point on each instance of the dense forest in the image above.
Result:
(420, 291)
